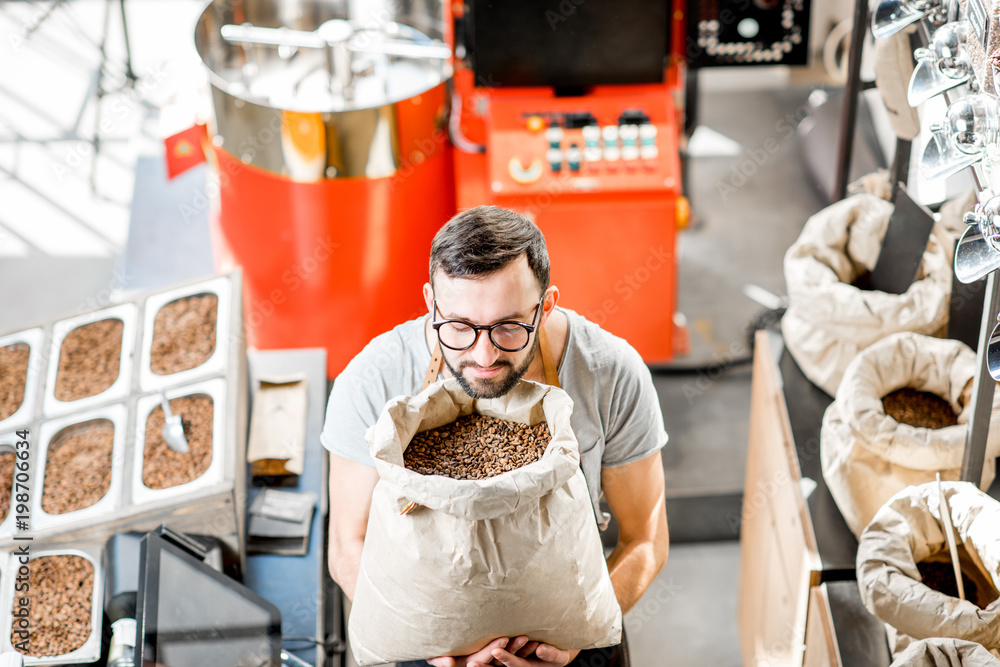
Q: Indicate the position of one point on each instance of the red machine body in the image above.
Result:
(336, 262)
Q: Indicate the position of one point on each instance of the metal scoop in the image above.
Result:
(173, 428)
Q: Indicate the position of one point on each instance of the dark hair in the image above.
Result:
(485, 239)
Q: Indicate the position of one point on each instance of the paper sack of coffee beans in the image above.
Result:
(482, 516)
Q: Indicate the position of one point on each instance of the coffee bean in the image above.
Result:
(60, 596)
(78, 466)
(162, 467)
(919, 408)
(13, 377)
(941, 577)
(6, 482)
(89, 360)
(184, 334)
(476, 447)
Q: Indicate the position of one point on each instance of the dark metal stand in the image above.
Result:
(130, 79)
(851, 90)
(100, 91)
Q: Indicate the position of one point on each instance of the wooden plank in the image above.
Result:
(779, 560)
(754, 522)
(821, 644)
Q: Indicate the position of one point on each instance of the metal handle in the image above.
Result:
(324, 37)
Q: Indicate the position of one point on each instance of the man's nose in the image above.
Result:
(484, 352)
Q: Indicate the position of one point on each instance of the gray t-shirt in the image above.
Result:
(616, 412)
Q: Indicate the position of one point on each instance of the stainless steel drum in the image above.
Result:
(307, 88)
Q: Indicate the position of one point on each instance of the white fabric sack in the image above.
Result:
(829, 320)
(908, 530)
(867, 455)
(945, 652)
(515, 554)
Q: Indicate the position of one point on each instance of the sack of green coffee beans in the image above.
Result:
(481, 526)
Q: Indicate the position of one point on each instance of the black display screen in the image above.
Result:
(191, 615)
(567, 43)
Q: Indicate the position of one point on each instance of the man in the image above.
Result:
(492, 320)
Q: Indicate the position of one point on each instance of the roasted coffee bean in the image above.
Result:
(60, 599)
(162, 467)
(89, 360)
(919, 408)
(6, 482)
(941, 577)
(13, 377)
(184, 334)
(78, 466)
(476, 447)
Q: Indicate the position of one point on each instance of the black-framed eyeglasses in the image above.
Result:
(508, 336)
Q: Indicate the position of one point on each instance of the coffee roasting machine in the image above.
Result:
(346, 133)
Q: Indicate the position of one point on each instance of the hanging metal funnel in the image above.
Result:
(971, 124)
(891, 16)
(993, 354)
(941, 159)
(978, 251)
(943, 65)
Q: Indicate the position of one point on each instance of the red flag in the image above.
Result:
(185, 149)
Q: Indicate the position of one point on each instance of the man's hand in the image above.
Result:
(544, 655)
(480, 658)
(520, 648)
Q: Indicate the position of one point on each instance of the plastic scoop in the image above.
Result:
(173, 428)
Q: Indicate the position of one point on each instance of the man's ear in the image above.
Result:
(429, 297)
(549, 306)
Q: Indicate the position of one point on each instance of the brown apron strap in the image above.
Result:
(433, 368)
(548, 363)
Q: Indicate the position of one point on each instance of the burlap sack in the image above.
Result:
(867, 455)
(515, 554)
(828, 319)
(908, 530)
(944, 652)
(876, 183)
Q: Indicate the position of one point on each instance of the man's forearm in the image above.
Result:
(633, 566)
(345, 563)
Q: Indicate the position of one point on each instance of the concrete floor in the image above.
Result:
(65, 249)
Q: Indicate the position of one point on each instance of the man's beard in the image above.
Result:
(492, 387)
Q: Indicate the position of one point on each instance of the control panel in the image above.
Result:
(557, 145)
(725, 33)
